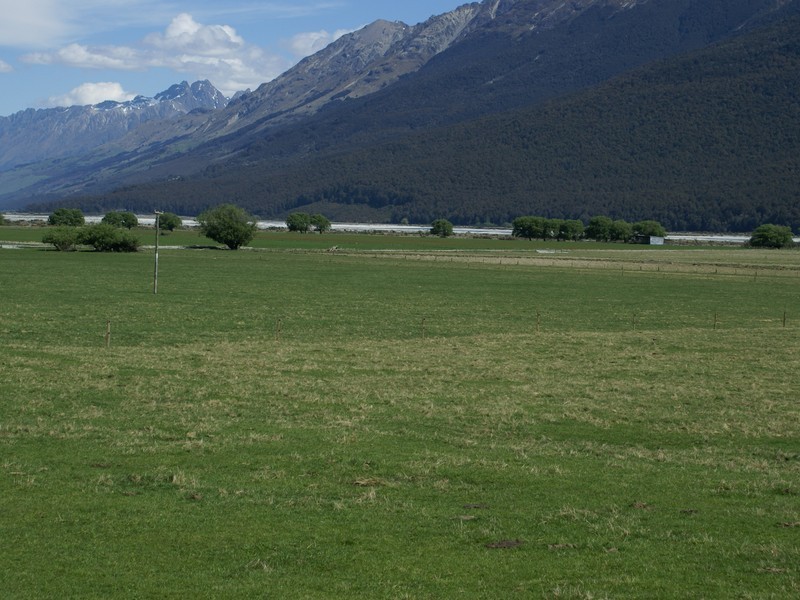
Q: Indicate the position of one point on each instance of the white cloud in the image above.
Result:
(306, 44)
(5, 67)
(76, 55)
(47, 23)
(92, 93)
(185, 34)
(213, 52)
(32, 23)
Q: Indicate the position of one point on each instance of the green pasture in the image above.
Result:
(400, 422)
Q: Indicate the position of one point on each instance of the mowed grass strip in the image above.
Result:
(352, 450)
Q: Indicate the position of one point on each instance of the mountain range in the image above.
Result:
(35, 135)
(682, 110)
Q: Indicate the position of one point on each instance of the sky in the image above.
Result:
(68, 52)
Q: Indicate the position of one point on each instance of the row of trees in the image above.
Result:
(233, 226)
(112, 234)
(73, 217)
(600, 228)
(303, 222)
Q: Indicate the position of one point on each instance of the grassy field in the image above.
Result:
(400, 421)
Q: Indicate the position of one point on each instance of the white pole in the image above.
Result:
(155, 270)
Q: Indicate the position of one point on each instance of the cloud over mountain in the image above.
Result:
(92, 93)
(214, 52)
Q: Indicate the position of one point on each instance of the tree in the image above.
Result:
(772, 236)
(298, 221)
(169, 221)
(70, 217)
(321, 222)
(64, 238)
(529, 227)
(621, 231)
(2, 219)
(551, 228)
(442, 228)
(572, 230)
(228, 224)
(124, 219)
(107, 238)
(649, 229)
(599, 228)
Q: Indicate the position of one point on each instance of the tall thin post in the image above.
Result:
(155, 268)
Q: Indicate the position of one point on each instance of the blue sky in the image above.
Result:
(64, 52)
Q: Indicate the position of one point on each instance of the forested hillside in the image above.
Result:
(706, 141)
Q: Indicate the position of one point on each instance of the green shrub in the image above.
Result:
(71, 217)
(571, 229)
(529, 227)
(599, 228)
(320, 222)
(442, 228)
(124, 219)
(65, 239)
(169, 221)
(621, 231)
(299, 222)
(772, 236)
(107, 238)
(228, 224)
(649, 228)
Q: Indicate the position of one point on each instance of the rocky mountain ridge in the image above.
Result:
(51, 133)
(354, 66)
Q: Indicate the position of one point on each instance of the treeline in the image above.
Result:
(600, 228)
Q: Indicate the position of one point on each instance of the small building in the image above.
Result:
(648, 240)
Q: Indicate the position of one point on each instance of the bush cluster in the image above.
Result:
(303, 222)
(442, 228)
(600, 228)
(107, 238)
(69, 217)
(169, 221)
(772, 236)
(101, 236)
(228, 224)
(124, 219)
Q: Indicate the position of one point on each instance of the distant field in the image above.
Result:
(406, 418)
